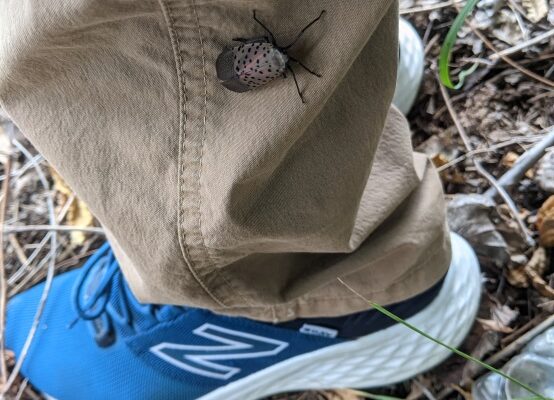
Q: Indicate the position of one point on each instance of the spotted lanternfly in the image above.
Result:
(258, 61)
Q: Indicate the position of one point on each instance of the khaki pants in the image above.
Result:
(250, 203)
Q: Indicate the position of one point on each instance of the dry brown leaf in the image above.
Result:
(536, 9)
(439, 160)
(542, 287)
(492, 325)
(504, 314)
(509, 159)
(343, 394)
(545, 222)
(78, 213)
(501, 317)
(465, 394)
(534, 269)
(532, 273)
(470, 217)
(517, 277)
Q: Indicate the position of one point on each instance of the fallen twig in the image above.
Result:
(21, 389)
(3, 283)
(522, 45)
(50, 274)
(51, 228)
(521, 330)
(19, 252)
(523, 163)
(508, 60)
(504, 353)
(482, 171)
(489, 149)
(426, 392)
(430, 7)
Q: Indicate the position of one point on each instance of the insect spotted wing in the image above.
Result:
(258, 61)
(250, 65)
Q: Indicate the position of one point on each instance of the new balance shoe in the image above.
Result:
(96, 341)
(411, 60)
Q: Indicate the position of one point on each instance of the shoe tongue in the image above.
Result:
(142, 316)
(122, 307)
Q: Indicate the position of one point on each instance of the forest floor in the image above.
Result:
(504, 108)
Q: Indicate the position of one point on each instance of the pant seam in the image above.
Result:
(222, 274)
(166, 10)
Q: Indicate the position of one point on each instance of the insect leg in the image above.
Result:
(265, 27)
(296, 82)
(303, 66)
(239, 39)
(304, 30)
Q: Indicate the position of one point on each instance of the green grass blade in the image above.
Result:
(446, 49)
(455, 350)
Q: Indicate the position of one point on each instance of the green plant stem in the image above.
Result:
(396, 318)
(446, 49)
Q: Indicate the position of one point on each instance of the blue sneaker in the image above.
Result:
(96, 341)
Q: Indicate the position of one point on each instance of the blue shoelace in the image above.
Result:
(102, 297)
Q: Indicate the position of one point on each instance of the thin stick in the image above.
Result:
(21, 389)
(19, 252)
(23, 268)
(521, 341)
(494, 147)
(508, 60)
(522, 45)
(482, 171)
(504, 353)
(524, 162)
(50, 272)
(3, 283)
(521, 330)
(424, 389)
(52, 228)
(430, 7)
(18, 172)
(431, 43)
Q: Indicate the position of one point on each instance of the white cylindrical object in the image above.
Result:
(410, 67)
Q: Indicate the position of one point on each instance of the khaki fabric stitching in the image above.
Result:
(222, 274)
(182, 128)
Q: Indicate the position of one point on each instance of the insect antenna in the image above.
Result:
(303, 66)
(265, 27)
(296, 82)
(304, 30)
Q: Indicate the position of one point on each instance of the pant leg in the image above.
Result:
(244, 203)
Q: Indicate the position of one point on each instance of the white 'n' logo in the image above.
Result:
(234, 345)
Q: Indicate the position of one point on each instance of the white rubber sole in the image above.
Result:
(382, 358)
(410, 67)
